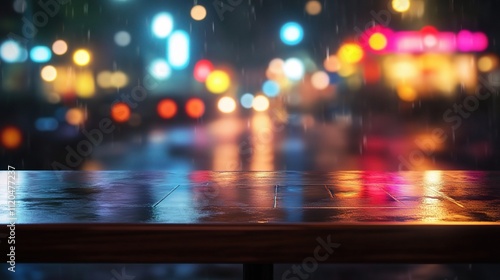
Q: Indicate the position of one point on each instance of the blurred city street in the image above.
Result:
(267, 112)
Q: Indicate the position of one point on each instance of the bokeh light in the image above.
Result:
(40, 54)
(260, 103)
(195, 108)
(226, 105)
(487, 63)
(291, 33)
(294, 69)
(162, 25)
(160, 69)
(332, 63)
(104, 79)
(350, 53)
(313, 7)
(218, 82)
(246, 100)
(202, 69)
(84, 84)
(20, 6)
(11, 137)
(178, 50)
(198, 12)
(48, 73)
(430, 40)
(407, 93)
(10, 51)
(275, 71)
(276, 65)
(320, 80)
(401, 5)
(81, 57)
(122, 38)
(46, 124)
(166, 109)
(75, 116)
(377, 41)
(120, 112)
(60, 47)
(271, 88)
(118, 79)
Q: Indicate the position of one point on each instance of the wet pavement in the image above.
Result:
(254, 197)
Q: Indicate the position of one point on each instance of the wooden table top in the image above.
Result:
(227, 217)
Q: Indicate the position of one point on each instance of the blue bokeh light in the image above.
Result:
(291, 33)
(247, 100)
(46, 124)
(271, 88)
(40, 54)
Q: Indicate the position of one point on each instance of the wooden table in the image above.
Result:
(255, 217)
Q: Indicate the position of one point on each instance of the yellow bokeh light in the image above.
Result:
(350, 53)
(75, 116)
(81, 57)
(59, 47)
(487, 63)
(313, 7)
(401, 5)
(198, 12)
(332, 63)
(407, 93)
(84, 85)
(48, 73)
(405, 70)
(226, 105)
(260, 103)
(119, 79)
(377, 41)
(104, 79)
(218, 82)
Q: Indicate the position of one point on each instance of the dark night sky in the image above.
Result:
(248, 35)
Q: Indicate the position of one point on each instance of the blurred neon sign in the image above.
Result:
(426, 40)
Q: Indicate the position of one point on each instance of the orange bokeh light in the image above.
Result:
(11, 137)
(120, 112)
(195, 108)
(166, 109)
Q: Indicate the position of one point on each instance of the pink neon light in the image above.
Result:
(442, 42)
(481, 41)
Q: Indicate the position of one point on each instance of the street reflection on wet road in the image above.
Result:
(255, 197)
(264, 142)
